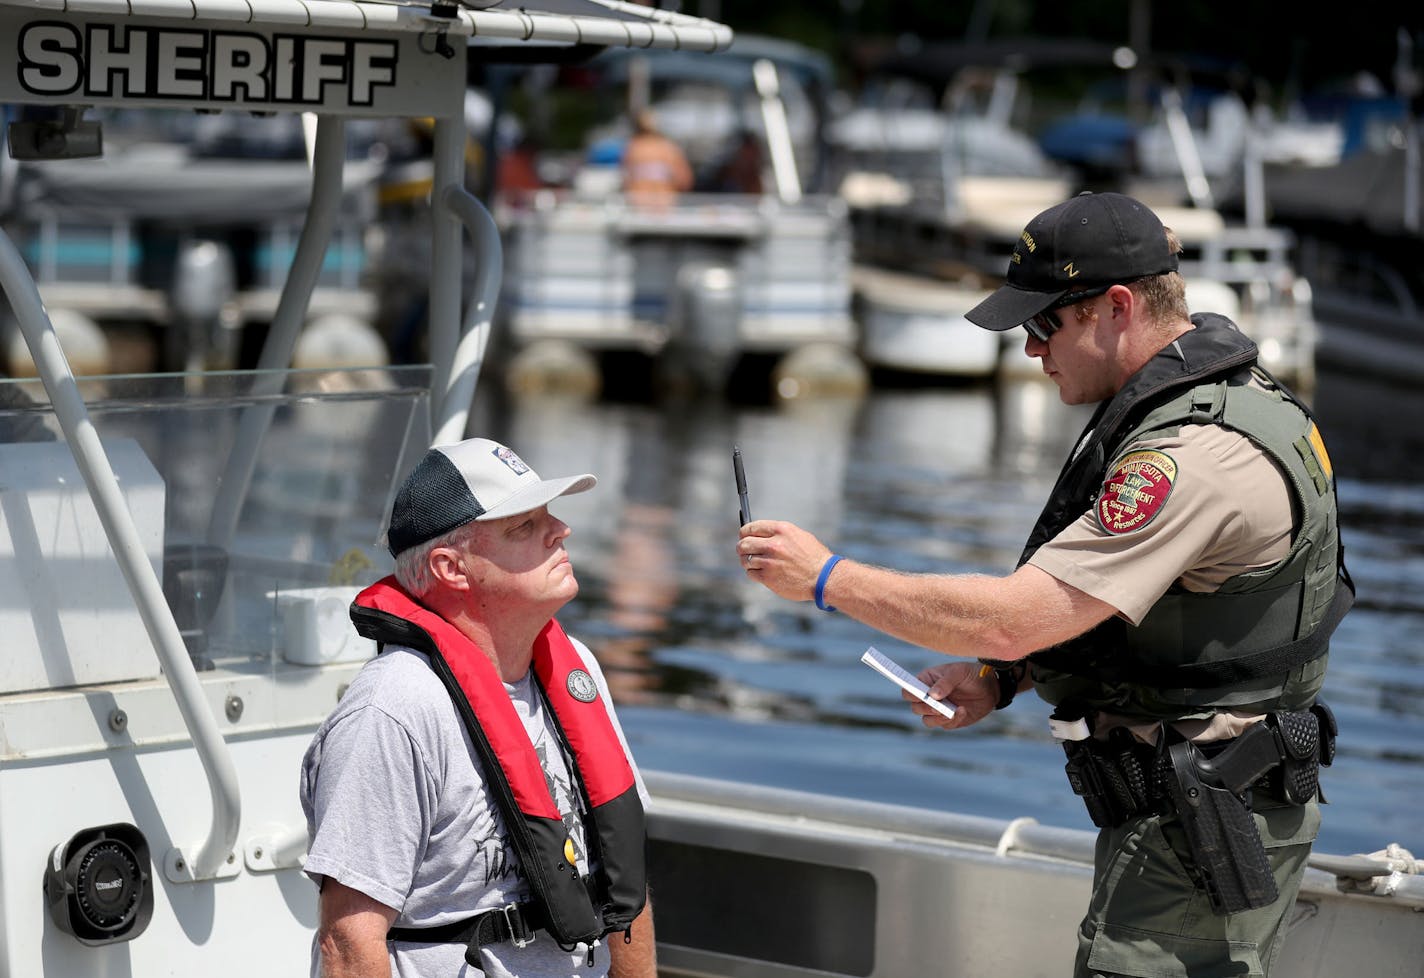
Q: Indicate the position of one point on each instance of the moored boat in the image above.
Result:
(942, 188)
(746, 267)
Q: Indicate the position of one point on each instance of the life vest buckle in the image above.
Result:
(519, 930)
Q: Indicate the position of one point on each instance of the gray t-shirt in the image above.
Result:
(396, 808)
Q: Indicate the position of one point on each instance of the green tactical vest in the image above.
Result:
(1194, 654)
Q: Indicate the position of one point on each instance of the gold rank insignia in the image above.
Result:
(1318, 443)
(1135, 491)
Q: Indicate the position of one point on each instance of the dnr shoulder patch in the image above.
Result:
(1135, 490)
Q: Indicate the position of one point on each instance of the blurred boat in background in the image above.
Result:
(172, 253)
(704, 283)
(1361, 231)
(941, 175)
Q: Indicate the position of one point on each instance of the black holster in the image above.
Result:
(1230, 859)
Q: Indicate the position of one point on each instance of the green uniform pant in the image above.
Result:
(1148, 919)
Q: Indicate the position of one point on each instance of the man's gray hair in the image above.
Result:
(413, 564)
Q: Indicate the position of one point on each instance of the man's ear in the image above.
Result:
(447, 567)
(1122, 302)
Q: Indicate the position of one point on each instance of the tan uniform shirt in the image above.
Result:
(1228, 510)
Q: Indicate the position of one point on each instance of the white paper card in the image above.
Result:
(892, 671)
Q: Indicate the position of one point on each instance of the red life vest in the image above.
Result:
(616, 829)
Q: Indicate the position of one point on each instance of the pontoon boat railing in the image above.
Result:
(778, 132)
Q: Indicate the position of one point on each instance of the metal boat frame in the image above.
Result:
(765, 882)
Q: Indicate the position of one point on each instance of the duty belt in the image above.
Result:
(1207, 788)
(511, 922)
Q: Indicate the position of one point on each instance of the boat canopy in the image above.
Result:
(602, 22)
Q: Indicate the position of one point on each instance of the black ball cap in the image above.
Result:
(1087, 241)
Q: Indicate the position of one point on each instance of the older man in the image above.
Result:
(472, 804)
(1174, 601)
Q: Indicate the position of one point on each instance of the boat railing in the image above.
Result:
(475, 329)
(214, 855)
(1392, 873)
(207, 858)
(328, 159)
(688, 211)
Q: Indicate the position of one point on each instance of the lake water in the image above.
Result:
(715, 676)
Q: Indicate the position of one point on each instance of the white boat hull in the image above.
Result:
(916, 325)
(148, 776)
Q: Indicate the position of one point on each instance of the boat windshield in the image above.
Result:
(259, 497)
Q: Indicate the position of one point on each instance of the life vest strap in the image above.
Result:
(513, 922)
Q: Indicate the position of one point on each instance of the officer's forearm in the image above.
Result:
(973, 615)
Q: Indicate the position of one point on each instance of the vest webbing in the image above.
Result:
(616, 829)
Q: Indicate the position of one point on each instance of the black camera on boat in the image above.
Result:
(99, 884)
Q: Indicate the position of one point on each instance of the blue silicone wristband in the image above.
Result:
(831, 561)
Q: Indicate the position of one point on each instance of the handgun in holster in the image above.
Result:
(1208, 797)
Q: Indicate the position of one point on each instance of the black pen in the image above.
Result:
(740, 473)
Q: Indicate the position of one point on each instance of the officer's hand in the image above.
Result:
(958, 682)
(782, 556)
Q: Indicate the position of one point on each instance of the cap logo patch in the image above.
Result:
(1072, 272)
(1135, 491)
(513, 461)
(581, 686)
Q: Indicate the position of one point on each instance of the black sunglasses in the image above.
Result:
(1045, 324)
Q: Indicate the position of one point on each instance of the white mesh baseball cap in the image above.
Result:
(476, 479)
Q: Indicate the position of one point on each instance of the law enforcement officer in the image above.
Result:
(1174, 600)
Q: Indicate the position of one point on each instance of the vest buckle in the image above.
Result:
(519, 931)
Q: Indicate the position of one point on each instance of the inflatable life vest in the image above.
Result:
(1259, 641)
(616, 829)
